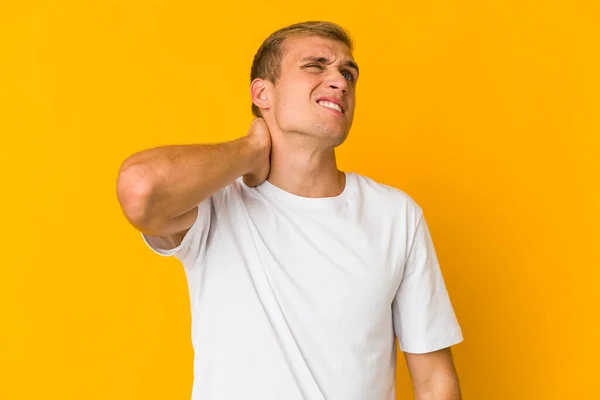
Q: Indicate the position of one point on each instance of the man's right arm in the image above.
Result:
(159, 189)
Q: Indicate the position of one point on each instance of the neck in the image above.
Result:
(301, 168)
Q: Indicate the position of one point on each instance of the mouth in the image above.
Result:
(334, 106)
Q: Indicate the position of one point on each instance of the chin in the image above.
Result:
(326, 128)
(336, 135)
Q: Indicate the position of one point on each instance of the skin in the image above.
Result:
(303, 133)
(298, 137)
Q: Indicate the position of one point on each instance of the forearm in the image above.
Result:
(444, 388)
(162, 183)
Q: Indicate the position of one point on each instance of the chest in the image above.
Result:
(331, 270)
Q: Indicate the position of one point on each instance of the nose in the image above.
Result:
(337, 81)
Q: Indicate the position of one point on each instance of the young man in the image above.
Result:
(299, 274)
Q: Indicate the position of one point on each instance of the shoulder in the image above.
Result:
(228, 195)
(389, 197)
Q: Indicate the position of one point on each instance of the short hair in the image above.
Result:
(267, 60)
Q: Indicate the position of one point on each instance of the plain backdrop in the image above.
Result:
(485, 112)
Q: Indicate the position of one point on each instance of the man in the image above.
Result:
(299, 274)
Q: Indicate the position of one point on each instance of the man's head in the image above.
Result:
(302, 76)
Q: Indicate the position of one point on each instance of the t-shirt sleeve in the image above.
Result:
(193, 246)
(424, 320)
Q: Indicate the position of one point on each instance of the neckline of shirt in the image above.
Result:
(271, 191)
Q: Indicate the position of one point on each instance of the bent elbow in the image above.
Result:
(133, 192)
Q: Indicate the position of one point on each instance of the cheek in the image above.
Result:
(293, 99)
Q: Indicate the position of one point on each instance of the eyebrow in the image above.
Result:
(324, 60)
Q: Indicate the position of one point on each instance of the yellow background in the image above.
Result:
(485, 112)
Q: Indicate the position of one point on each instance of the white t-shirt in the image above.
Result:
(299, 298)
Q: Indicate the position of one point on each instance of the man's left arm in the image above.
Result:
(433, 375)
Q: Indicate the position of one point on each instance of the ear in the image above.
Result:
(260, 93)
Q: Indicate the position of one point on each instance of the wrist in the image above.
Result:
(252, 151)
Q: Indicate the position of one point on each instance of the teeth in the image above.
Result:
(329, 104)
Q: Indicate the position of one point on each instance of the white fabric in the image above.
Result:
(299, 298)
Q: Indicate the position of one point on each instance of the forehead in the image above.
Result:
(297, 48)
